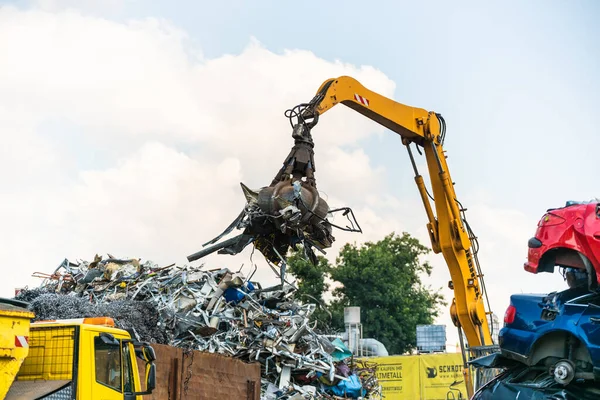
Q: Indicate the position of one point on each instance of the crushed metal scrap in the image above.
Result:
(288, 212)
(218, 311)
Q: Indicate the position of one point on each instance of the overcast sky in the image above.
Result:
(127, 125)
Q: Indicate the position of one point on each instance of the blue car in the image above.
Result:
(559, 331)
(520, 382)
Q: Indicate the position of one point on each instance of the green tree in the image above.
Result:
(312, 285)
(384, 280)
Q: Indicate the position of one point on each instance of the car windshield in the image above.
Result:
(576, 202)
(587, 299)
(568, 295)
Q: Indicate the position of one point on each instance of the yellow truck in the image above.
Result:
(82, 359)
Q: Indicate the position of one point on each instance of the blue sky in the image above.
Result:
(516, 81)
(93, 97)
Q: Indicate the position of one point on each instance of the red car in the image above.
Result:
(568, 237)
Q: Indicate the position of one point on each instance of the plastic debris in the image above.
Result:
(217, 311)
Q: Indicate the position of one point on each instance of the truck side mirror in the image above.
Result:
(151, 378)
(148, 353)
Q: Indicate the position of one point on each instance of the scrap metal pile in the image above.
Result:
(209, 310)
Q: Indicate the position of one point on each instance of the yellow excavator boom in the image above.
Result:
(448, 230)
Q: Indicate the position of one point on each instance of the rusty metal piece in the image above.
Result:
(173, 375)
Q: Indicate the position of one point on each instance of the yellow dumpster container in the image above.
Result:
(14, 341)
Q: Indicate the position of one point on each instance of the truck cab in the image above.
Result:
(86, 358)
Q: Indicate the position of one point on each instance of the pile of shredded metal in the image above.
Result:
(209, 310)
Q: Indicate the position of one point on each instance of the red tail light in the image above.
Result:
(509, 315)
(550, 219)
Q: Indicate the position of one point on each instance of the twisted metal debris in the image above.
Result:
(288, 212)
(218, 311)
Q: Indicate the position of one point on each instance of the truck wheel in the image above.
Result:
(563, 372)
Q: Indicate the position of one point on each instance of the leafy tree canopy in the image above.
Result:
(382, 278)
(311, 282)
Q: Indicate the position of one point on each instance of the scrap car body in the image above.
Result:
(523, 382)
(568, 237)
(560, 331)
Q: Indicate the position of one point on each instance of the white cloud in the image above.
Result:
(118, 137)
